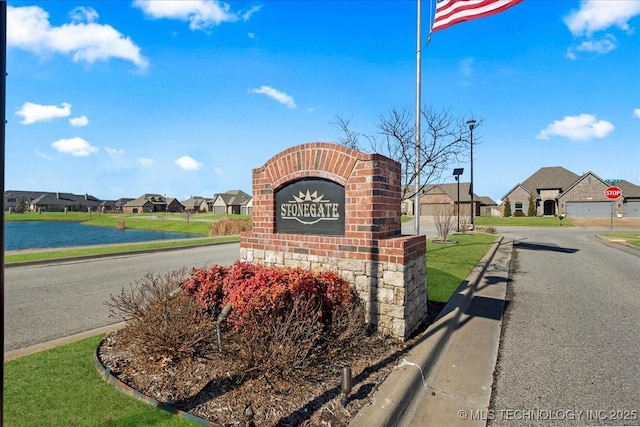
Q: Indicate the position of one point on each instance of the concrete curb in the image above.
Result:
(105, 374)
(36, 348)
(395, 396)
(623, 246)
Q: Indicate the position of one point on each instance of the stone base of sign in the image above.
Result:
(393, 287)
(386, 268)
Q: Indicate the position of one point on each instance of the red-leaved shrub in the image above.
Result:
(206, 286)
(259, 294)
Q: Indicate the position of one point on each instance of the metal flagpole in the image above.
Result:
(3, 100)
(416, 205)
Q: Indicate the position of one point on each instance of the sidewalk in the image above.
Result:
(446, 378)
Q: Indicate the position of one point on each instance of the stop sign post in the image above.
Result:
(612, 193)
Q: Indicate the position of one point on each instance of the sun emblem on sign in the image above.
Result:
(308, 197)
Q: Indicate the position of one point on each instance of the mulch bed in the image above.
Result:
(218, 389)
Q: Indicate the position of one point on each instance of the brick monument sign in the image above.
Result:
(323, 206)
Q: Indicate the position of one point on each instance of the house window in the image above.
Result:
(518, 206)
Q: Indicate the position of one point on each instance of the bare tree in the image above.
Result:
(444, 140)
(348, 137)
(444, 222)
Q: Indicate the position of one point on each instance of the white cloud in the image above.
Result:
(28, 28)
(247, 15)
(114, 152)
(77, 147)
(601, 46)
(43, 155)
(465, 66)
(32, 113)
(188, 163)
(578, 128)
(79, 121)
(145, 162)
(597, 15)
(636, 113)
(281, 97)
(83, 14)
(201, 14)
(117, 160)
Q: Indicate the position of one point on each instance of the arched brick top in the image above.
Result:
(371, 183)
(319, 159)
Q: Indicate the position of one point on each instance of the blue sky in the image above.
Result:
(121, 98)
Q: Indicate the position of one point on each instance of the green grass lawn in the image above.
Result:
(448, 265)
(61, 387)
(171, 222)
(48, 216)
(629, 237)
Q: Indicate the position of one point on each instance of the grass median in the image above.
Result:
(631, 238)
(448, 265)
(61, 386)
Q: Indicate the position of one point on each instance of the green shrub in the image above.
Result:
(507, 208)
(531, 211)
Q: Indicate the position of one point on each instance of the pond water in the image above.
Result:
(58, 234)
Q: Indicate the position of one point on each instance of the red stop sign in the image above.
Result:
(613, 193)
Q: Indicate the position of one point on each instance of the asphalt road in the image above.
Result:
(58, 299)
(570, 350)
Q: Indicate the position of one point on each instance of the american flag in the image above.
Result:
(450, 12)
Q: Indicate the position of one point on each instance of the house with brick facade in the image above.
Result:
(195, 204)
(556, 190)
(444, 199)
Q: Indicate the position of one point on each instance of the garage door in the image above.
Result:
(430, 209)
(631, 209)
(589, 209)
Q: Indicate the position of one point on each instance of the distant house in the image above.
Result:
(556, 190)
(51, 202)
(194, 204)
(174, 206)
(231, 202)
(444, 199)
(207, 205)
(114, 205)
(489, 207)
(544, 186)
(147, 203)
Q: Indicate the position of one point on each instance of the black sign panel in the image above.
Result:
(310, 206)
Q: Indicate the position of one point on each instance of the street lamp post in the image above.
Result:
(457, 172)
(472, 124)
